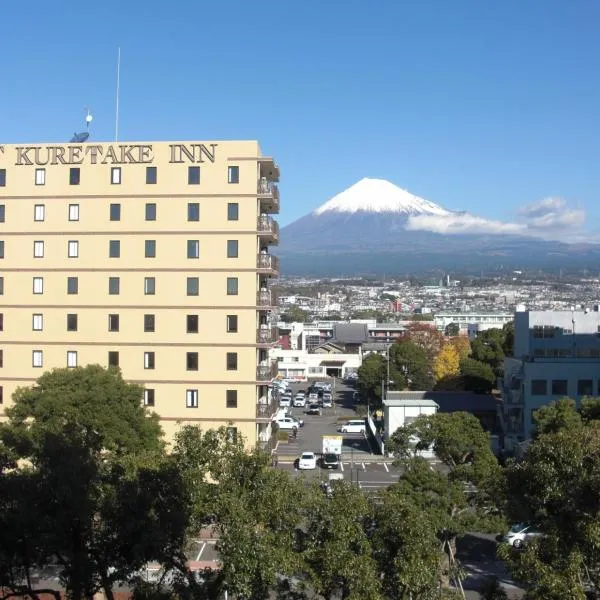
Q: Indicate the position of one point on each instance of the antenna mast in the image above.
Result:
(117, 98)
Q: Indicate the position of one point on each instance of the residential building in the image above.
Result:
(153, 257)
(470, 323)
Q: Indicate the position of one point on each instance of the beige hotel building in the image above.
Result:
(151, 256)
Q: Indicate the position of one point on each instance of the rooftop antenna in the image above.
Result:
(117, 95)
(79, 138)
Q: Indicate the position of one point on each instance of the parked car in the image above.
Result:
(307, 460)
(313, 409)
(327, 401)
(330, 461)
(353, 426)
(313, 395)
(300, 401)
(285, 401)
(520, 534)
(288, 422)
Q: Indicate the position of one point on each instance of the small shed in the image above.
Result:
(399, 411)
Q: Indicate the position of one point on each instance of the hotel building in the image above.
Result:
(151, 256)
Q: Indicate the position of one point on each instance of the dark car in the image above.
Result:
(313, 409)
(330, 461)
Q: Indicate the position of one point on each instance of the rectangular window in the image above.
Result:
(38, 285)
(193, 211)
(149, 286)
(114, 285)
(37, 322)
(115, 212)
(232, 286)
(1, 286)
(232, 248)
(2, 213)
(72, 285)
(73, 249)
(539, 387)
(231, 398)
(191, 361)
(149, 323)
(39, 212)
(150, 248)
(1, 321)
(232, 323)
(232, 361)
(148, 360)
(193, 249)
(1, 248)
(40, 177)
(1, 358)
(73, 212)
(71, 358)
(585, 387)
(115, 175)
(193, 286)
(113, 359)
(150, 212)
(559, 387)
(37, 358)
(233, 174)
(193, 175)
(114, 249)
(113, 322)
(233, 211)
(192, 323)
(149, 397)
(2, 177)
(74, 176)
(71, 322)
(1, 386)
(232, 434)
(191, 398)
(38, 249)
(150, 175)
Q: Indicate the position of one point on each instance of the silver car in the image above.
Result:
(520, 534)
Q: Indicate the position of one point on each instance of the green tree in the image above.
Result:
(452, 330)
(508, 346)
(476, 376)
(488, 347)
(371, 374)
(590, 409)
(558, 415)
(294, 314)
(409, 363)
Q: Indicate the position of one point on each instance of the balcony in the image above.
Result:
(267, 262)
(266, 372)
(268, 228)
(264, 298)
(268, 192)
(266, 411)
(266, 336)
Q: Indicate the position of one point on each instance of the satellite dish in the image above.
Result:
(79, 138)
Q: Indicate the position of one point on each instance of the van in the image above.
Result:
(353, 426)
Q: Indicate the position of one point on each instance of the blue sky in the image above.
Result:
(477, 105)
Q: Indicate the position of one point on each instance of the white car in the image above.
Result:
(353, 426)
(300, 401)
(307, 460)
(288, 423)
(327, 400)
(285, 401)
(520, 534)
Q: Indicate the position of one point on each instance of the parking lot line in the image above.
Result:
(201, 551)
(386, 467)
(342, 466)
(363, 466)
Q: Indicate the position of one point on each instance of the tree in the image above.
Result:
(409, 363)
(508, 346)
(558, 415)
(452, 330)
(370, 375)
(446, 363)
(462, 345)
(294, 314)
(426, 337)
(488, 347)
(590, 409)
(477, 376)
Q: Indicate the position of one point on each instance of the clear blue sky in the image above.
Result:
(478, 105)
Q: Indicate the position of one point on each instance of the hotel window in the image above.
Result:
(193, 286)
(233, 211)
(559, 387)
(232, 323)
(193, 175)
(38, 285)
(539, 387)
(37, 322)
(232, 249)
(114, 249)
(38, 249)
(149, 323)
(37, 358)
(149, 286)
(71, 358)
(1, 321)
(71, 322)
(191, 361)
(232, 361)
(115, 212)
(115, 175)
(113, 359)
(1, 286)
(113, 322)
(73, 212)
(72, 285)
(1, 248)
(39, 211)
(150, 175)
(40, 177)
(148, 360)
(232, 286)
(193, 211)
(114, 285)
(191, 398)
(149, 397)
(2, 177)
(231, 398)
(73, 249)
(150, 248)
(585, 387)
(150, 211)
(1, 394)
(191, 324)
(233, 174)
(2, 213)
(1, 358)
(74, 176)
(193, 249)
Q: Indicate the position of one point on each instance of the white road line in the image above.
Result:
(342, 466)
(386, 467)
(201, 551)
(363, 466)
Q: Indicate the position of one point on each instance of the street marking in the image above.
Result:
(386, 467)
(201, 551)
(363, 466)
(342, 466)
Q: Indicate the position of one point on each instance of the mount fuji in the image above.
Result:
(375, 227)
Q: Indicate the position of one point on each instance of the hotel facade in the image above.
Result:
(154, 257)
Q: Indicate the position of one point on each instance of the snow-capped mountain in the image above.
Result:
(369, 228)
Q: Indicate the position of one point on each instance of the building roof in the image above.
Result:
(410, 402)
(449, 401)
(350, 333)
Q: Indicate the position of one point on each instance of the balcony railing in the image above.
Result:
(264, 298)
(267, 261)
(268, 188)
(268, 225)
(266, 411)
(266, 372)
(266, 336)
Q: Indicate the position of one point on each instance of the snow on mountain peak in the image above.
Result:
(381, 196)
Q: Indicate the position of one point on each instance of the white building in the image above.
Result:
(301, 364)
(557, 354)
(470, 323)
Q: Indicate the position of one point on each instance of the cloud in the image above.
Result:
(463, 223)
(552, 213)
